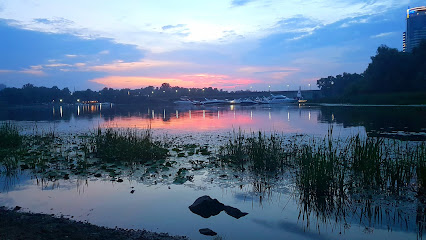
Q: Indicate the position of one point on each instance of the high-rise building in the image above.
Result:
(416, 27)
(404, 45)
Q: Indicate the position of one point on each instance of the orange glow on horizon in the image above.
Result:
(187, 81)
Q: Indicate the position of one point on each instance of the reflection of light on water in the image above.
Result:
(164, 114)
(270, 117)
(153, 114)
(234, 114)
(218, 117)
(204, 113)
(288, 116)
(100, 107)
(332, 117)
(60, 110)
(78, 110)
(190, 114)
(309, 115)
(232, 107)
(177, 114)
(251, 115)
(53, 111)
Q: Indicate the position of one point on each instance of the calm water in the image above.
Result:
(162, 206)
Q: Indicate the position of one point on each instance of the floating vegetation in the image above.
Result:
(333, 179)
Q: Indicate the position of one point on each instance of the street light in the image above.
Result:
(269, 88)
(309, 86)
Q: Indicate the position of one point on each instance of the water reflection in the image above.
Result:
(394, 122)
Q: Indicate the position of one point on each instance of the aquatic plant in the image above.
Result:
(9, 136)
(260, 152)
(337, 177)
(128, 145)
(10, 142)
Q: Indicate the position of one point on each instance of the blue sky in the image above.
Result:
(230, 44)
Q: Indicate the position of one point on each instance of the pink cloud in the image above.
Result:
(120, 66)
(195, 80)
(25, 71)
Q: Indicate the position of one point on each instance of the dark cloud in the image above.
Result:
(296, 22)
(169, 27)
(239, 3)
(54, 21)
(24, 48)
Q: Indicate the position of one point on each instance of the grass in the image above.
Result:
(334, 176)
(258, 152)
(9, 136)
(358, 162)
(115, 145)
(10, 143)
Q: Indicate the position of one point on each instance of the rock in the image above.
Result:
(133, 191)
(207, 232)
(234, 212)
(120, 180)
(17, 208)
(206, 207)
(98, 175)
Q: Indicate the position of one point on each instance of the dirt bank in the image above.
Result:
(18, 225)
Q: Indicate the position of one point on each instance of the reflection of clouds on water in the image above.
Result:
(292, 228)
(313, 120)
(7, 201)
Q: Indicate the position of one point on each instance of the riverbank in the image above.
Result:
(399, 98)
(19, 225)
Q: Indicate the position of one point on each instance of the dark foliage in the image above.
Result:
(390, 71)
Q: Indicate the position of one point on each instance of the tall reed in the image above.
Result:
(128, 145)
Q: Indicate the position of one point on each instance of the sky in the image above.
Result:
(226, 44)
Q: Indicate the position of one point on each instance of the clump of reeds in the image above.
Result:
(329, 172)
(259, 152)
(127, 145)
(9, 136)
(10, 142)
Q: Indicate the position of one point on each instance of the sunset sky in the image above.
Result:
(229, 44)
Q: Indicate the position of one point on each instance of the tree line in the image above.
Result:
(390, 71)
(30, 94)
